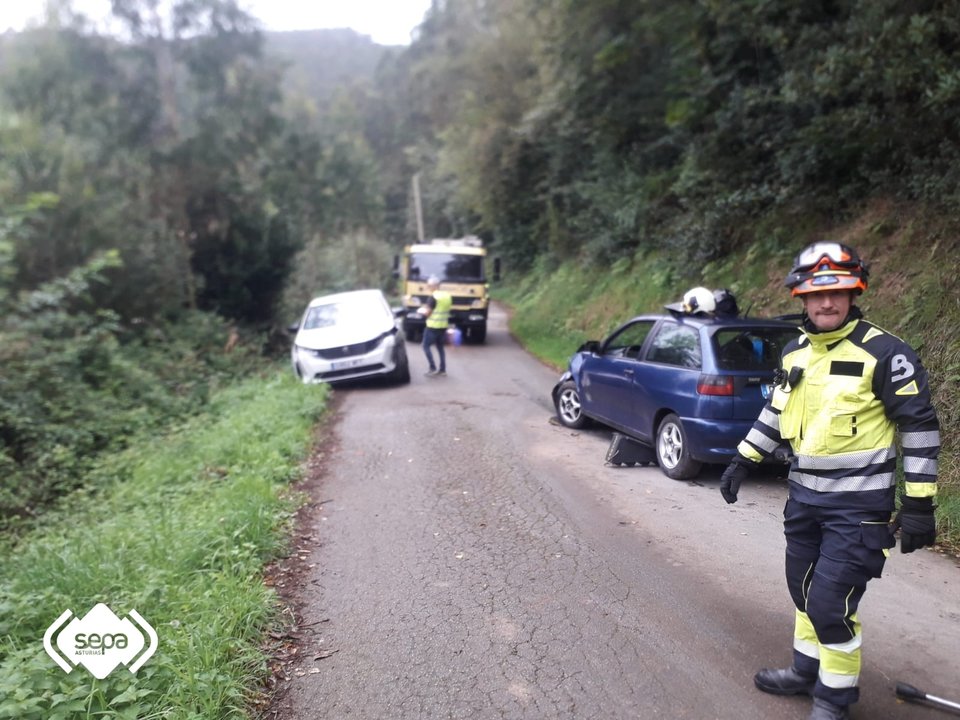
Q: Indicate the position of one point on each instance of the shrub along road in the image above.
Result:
(469, 558)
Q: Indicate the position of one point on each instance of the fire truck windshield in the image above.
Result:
(448, 267)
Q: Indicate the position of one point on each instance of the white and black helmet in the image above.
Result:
(699, 300)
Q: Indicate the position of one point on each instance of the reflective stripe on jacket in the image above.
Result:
(858, 385)
(439, 317)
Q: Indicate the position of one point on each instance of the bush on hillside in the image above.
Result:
(76, 382)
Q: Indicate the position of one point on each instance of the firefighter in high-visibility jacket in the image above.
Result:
(845, 387)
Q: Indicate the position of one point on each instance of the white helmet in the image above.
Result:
(699, 300)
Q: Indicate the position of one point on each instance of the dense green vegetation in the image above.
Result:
(171, 198)
(153, 201)
(178, 528)
(78, 382)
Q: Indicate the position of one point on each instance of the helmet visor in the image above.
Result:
(833, 254)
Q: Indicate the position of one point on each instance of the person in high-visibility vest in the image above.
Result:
(846, 388)
(437, 312)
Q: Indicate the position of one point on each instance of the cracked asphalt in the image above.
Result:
(465, 557)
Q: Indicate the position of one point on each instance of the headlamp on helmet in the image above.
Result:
(825, 266)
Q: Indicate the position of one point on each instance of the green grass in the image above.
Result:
(557, 309)
(180, 529)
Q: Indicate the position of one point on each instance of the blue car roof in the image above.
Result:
(727, 321)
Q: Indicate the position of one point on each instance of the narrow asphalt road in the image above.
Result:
(470, 559)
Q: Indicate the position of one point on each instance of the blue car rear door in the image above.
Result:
(666, 378)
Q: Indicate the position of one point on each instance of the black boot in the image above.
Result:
(784, 682)
(825, 710)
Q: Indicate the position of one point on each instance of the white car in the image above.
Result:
(347, 336)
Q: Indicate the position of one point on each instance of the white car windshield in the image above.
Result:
(356, 311)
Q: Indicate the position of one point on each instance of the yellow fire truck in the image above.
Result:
(460, 264)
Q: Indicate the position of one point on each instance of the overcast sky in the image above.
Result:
(388, 22)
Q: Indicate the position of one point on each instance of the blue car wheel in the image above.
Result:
(673, 450)
(569, 410)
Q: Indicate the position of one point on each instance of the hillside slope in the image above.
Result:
(322, 62)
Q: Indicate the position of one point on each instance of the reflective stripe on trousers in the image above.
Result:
(831, 555)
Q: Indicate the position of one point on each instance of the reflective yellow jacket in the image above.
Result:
(857, 386)
(439, 317)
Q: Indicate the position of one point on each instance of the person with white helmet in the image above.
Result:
(845, 389)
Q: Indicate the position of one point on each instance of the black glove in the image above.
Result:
(916, 522)
(736, 472)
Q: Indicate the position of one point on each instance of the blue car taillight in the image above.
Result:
(715, 385)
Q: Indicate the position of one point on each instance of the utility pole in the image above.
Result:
(417, 207)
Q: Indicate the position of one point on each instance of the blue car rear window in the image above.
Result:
(751, 348)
